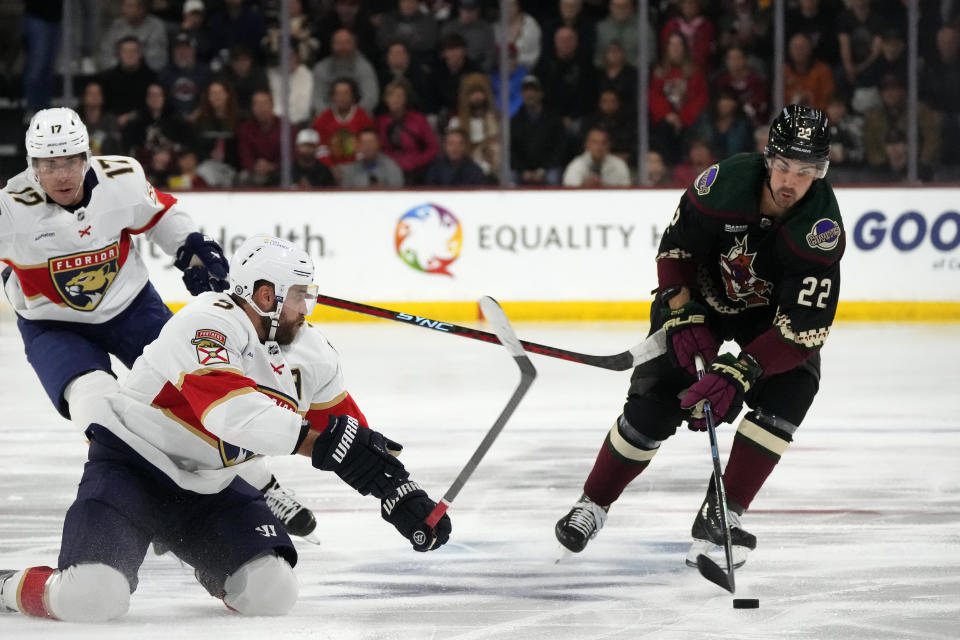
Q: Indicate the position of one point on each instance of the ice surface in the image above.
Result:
(858, 527)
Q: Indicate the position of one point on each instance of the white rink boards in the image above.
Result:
(858, 527)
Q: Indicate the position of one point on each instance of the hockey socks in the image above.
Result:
(757, 446)
(624, 455)
(26, 591)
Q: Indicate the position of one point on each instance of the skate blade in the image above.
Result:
(312, 538)
(712, 551)
(564, 555)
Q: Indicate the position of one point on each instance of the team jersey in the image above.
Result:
(81, 265)
(751, 270)
(207, 395)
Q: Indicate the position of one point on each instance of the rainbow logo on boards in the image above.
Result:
(429, 239)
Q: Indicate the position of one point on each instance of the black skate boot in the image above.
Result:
(297, 519)
(583, 522)
(708, 534)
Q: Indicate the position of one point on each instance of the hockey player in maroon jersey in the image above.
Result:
(751, 255)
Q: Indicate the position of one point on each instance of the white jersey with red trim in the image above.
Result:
(81, 266)
(206, 396)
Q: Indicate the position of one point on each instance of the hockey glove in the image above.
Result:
(360, 456)
(408, 511)
(203, 264)
(688, 334)
(726, 382)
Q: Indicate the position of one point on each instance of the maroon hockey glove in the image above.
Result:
(360, 456)
(726, 382)
(688, 334)
(408, 509)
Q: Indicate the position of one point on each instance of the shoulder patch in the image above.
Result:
(211, 347)
(824, 235)
(706, 179)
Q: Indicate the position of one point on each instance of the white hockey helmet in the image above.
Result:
(55, 133)
(281, 263)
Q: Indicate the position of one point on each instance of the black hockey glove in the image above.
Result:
(727, 380)
(360, 456)
(203, 264)
(408, 511)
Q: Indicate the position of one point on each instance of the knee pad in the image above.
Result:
(264, 586)
(86, 398)
(88, 593)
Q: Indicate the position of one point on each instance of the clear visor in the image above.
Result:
(801, 168)
(69, 165)
(302, 298)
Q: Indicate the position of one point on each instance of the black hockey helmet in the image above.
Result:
(800, 133)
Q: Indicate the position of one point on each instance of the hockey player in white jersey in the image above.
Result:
(75, 280)
(211, 393)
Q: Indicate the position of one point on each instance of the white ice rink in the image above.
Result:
(858, 527)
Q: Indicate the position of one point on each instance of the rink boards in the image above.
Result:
(561, 254)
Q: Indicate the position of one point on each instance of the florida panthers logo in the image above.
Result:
(82, 279)
(211, 347)
(739, 278)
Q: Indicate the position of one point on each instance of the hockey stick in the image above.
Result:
(501, 325)
(708, 568)
(653, 346)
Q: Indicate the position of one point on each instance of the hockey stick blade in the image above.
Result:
(712, 572)
(528, 373)
(655, 344)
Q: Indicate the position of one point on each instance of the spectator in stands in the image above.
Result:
(761, 136)
(658, 175)
(895, 158)
(621, 126)
(41, 35)
(475, 31)
(371, 168)
(125, 83)
(846, 140)
(454, 65)
(569, 80)
(940, 88)
(339, 125)
(892, 114)
(188, 179)
(258, 144)
(678, 95)
(537, 137)
(892, 59)
(517, 72)
(236, 23)
(398, 65)
(405, 134)
(749, 86)
(156, 126)
(570, 14)
(352, 16)
(806, 80)
(307, 171)
(817, 19)
(299, 89)
(746, 24)
(698, 157)
(301, 34)
(858, 33)
(724, 126)
(454, 167)
(478, 117)
(620, 76)
(245, 75)
(596, 166)
(102, 125)
(135, 22)
(523, 32)
(216, 128)
(192, 24)
(345, 61)
(418, 31)
(184, 79)
(696, 28)
(621, 26)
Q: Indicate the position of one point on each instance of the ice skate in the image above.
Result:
(297, 519)
(708, 534)
(583, 522)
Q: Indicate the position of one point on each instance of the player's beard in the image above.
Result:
(286, 332)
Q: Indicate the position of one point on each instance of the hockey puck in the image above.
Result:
(746, 603)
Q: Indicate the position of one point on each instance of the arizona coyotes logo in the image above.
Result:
(740, 279)
(82, 279)
(211, 347)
